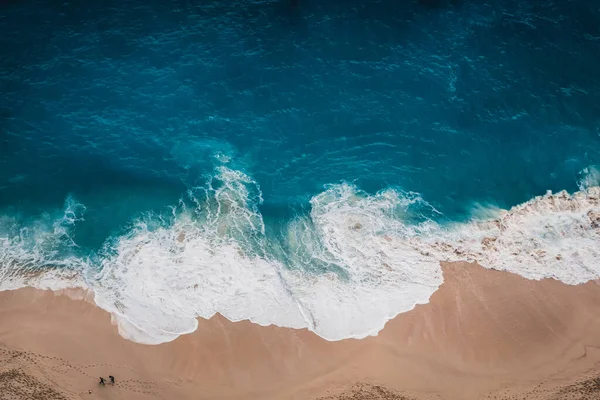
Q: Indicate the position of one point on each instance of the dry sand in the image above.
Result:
(484, 335)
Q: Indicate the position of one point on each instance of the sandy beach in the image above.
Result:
(485, 334)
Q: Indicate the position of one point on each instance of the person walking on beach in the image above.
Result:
(112, 379)
(102, 381)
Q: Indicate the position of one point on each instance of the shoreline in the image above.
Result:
(157, 282)
(484, 333)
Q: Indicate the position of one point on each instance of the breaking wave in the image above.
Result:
(341, 270)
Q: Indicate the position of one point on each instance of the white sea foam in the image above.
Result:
(30, 253)
(375, 273)
(341, 271)
(551, 236)
(590, 177)
(158, 281)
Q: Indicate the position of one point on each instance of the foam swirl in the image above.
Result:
(342, 270)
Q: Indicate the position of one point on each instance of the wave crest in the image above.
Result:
(37, 253)
(342, 270)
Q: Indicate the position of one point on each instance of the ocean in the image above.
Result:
(301, 163)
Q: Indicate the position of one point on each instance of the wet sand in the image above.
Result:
(484, 334)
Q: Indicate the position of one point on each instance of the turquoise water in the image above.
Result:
(120, 117)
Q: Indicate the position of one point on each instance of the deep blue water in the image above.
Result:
(124, 105)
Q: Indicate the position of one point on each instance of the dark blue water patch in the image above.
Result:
(125, 105)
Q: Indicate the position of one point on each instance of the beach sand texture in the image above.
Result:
(485, 334)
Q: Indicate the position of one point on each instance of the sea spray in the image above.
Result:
(343, 269)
